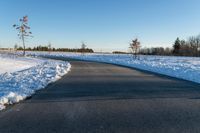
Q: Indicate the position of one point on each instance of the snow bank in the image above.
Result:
(19, 85)
(187, 68)
(12, 63)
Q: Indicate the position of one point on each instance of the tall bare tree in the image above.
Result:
(23, 31)
(135, 46)
(49, 47)
(83, 47)
(194, 42)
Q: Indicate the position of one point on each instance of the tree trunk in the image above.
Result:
(24, 48)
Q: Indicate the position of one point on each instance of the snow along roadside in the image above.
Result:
(17, 86)
(186, 68)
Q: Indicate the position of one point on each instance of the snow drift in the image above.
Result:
(18, 85)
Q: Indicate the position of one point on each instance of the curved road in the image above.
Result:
(104, 98)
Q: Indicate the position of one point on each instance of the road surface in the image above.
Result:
(104, 98)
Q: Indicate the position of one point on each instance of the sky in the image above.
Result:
(104, 25)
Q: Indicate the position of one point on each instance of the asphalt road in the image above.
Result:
(104, 98)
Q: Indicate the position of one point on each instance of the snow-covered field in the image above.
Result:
(20, 77)
(11, 63)
(187, 68)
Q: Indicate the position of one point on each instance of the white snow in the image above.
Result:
(21, 76)
(187, 68)
(13, 63)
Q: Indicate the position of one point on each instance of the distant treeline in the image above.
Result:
(189, 47)
(46, 48)
(156, 51)
(119, 52)
(150, 51)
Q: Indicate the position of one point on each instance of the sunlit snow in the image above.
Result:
(21, 76)
(187, 68)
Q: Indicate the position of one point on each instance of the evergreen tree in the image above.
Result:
(177, 46)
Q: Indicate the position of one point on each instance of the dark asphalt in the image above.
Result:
(104, 98)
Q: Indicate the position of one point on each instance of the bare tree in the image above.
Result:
(23, 31)
(83, 47)
(49, 47)
(135, 46)
(15, 47)
(194, 42)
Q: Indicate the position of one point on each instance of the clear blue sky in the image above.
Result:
(102, 24)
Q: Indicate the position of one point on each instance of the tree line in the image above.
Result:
(51, 49)
(181, 47)
(189, 47)
(156, 51)
(23, 32)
